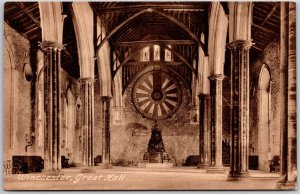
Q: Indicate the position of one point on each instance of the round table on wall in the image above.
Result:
(157, 95)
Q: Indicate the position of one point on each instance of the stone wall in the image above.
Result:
(20, 101)
(18, 94)
(71, 118)
(98, 120)
(226, 121)
(129, 139)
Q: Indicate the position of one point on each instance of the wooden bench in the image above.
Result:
(275, 164)
(27, 164)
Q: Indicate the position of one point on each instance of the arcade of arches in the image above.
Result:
(84, 84)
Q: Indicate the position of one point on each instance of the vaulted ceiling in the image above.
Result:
(24, 17)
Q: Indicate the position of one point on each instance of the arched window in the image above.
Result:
(145, 54)
(156, 51)
(168, 54)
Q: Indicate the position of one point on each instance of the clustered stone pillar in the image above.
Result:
(106, 131)
(52, 106)
(288, 96)
(216, 119)
(87, 88)
(239, 108)
(203, 139)
(292, 117)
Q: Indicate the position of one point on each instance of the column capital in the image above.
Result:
(203, 96)
(49, 44)
(106, 97)
(240, 44)
(87, 79)
(217, 77)
(194, 107)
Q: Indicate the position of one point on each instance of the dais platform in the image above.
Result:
(155, 165)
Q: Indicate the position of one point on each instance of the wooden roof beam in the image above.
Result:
(150, 42)
(134, 63)
(264, 29)
(167, 16)
(28, 13)
(129, 8)
(118, 27)
(270, 13)
(19, 13)
(257, 48)
(32, 29)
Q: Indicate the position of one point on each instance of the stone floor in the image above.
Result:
(125, 178)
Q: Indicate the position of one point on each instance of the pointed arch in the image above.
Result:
(82, 16)
(240, 19)
(51, 21)
(181, 25)
(264, 115)
(9, 50)
(117, 28)
(9, 96)
(264, 67)
(218, 25)
(117, 89)
(104, 65)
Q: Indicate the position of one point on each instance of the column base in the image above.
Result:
(215, 169)
(284, 184)
(237, 177)
(87, 169)
(203, 166)
(155, 165)
(52, 172)
(105, 166)
(287, 186)
(74, 164)
(282, 179)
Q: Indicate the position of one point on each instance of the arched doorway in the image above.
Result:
(264, 119)
(9, 99)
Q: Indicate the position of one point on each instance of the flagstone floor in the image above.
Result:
(125, 178)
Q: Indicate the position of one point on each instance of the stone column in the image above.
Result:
(106, 131)
(52, 100)
(40, 99)
(288, 148)
(239, 108)
(292, 117)
(87, 88)
(216, 119)
(203, 144)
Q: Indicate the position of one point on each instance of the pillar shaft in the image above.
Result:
(283, 91)
(106, 129)
(207, 132)
(87, 88)
(216, 119)
(52, 97)
(239, 107)
(288, 94)
(292, 126)
(203, 144)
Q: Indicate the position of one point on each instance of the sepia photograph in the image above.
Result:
(149, 95)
